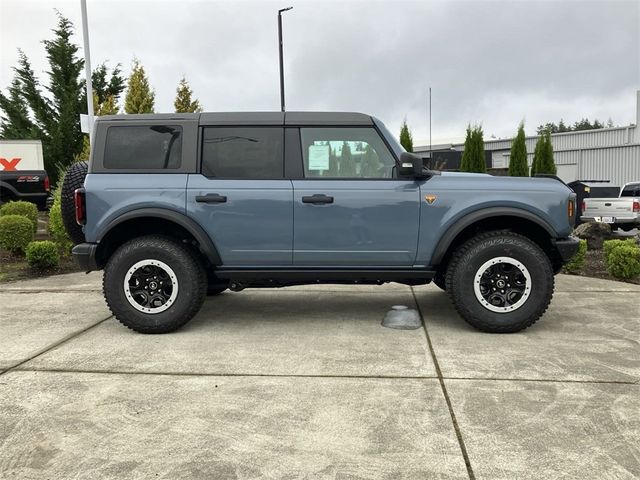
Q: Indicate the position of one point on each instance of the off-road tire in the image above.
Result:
(73, 179)
(190, 274)
(468, 259)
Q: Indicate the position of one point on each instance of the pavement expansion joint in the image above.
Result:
(56, 344)
(454, 421)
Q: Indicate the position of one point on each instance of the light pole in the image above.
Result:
(281, 62)
(87, 68)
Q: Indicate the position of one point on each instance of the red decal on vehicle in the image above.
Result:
(9, 165)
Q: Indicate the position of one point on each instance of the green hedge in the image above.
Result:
(577, 261)
(622, 259)
(609, 245)
(43, 254)
(25, 209)
(16, 232)
(56, 227)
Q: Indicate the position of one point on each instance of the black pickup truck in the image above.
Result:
(22, 174)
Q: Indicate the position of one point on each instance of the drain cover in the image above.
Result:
(402, 317)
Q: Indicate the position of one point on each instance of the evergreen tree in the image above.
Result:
(51, 112)
(105, 87)
(473, 158)
(370, 165)
(347, 165)
(14, 115)
(465, 165)
(480, 162)
(140, 97)
(183, 102)
(406, 139)
(547, 164)
(518, 160)
(537, 155)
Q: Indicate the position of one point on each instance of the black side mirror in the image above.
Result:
(411, 166)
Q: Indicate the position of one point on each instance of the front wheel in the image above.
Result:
(500, 282)
(154, 284)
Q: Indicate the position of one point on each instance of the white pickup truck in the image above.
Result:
(621, 212)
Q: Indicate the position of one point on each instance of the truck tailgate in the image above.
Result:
(611, 207)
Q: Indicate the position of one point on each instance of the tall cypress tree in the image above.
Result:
(473, 158)
(347, 167)
(537, 156)
(140, 97)
(406, 139)
(518, 159)
(183, 102)
(465, 164)
(547, 164)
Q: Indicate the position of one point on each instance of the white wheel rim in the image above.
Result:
(151, 286)
(502, 289)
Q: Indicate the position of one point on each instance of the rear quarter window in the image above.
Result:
(150, 147)
(632, 190)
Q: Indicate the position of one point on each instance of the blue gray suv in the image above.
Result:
(177, 206)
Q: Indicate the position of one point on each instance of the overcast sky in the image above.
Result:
(494, 62)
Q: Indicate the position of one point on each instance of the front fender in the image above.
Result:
(458, 224)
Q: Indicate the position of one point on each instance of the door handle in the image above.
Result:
(211, 198)
(317, 198)
(607, 204)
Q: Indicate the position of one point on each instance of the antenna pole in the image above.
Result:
(430, 123)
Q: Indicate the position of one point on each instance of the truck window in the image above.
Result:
(345, 153)
(632, 190)
(150, 147)
(243, 152)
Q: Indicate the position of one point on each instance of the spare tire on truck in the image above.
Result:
(73, 179)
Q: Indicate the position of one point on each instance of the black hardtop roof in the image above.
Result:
(254, 118)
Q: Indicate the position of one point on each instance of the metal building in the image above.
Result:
(604, 154)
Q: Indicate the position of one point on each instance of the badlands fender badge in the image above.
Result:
(430, 199)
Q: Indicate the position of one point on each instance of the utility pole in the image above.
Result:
(87, 68)
(281, 61)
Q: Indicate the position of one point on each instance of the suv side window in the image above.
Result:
(243, 152)
(150, 147)
(345, 152)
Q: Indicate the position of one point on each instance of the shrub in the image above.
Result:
(43, 254)
(16, 232)
(25, 209)
(577, 261)
(56, 227)
(609, 245)
(623, 260)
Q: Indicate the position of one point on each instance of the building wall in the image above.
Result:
(605, 154)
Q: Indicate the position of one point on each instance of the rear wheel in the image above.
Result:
(500, 282)
(154, 284)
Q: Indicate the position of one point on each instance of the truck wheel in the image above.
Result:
(154, 284)
(500, 282)
(73, 179)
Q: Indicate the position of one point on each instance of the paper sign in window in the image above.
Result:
(319, 157)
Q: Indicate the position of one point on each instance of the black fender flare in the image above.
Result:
(459, 225)
(206, 244)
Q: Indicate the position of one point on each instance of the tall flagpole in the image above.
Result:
(87, 67)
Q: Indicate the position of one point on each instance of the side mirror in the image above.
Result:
(411, 166)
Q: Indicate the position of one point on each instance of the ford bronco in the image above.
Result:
(177, 206)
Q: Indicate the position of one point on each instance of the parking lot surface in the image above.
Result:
(304, 382)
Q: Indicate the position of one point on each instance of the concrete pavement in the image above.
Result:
(304, 383)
